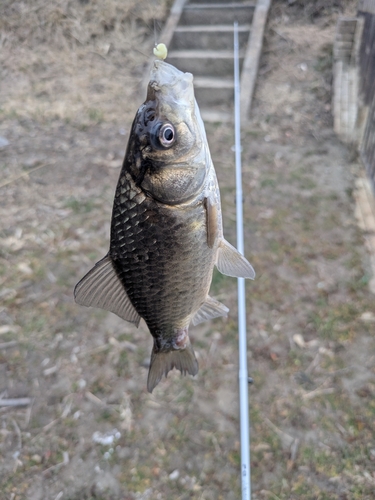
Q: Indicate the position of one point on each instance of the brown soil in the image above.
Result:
(68, 88)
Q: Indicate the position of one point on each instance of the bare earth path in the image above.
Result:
(68, 81)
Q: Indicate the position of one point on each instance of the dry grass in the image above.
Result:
(74, 61)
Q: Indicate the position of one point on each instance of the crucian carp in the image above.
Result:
(166, 229)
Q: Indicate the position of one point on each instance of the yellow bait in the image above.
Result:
(160, 51)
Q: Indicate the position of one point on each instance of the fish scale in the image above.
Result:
(162, 253)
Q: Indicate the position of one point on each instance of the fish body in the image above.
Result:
(166, 230)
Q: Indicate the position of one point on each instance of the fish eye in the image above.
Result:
(167, 135)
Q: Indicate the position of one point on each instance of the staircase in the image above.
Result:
(199, 37)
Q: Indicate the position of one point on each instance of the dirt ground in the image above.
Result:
(69, 78)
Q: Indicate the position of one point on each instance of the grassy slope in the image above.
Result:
(67, 101)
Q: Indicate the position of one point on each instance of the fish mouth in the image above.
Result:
(171, 86)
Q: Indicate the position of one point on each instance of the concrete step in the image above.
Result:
(203, 82)
(219, 115)
(199, 37)
(215, 37)
(204, 62)
(230, 2)
(217, 13)
(213, 91)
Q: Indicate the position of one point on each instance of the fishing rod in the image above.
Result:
(160, 51)
(242, 374)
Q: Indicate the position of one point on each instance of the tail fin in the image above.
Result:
(163, 362)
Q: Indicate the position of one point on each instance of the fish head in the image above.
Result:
(168, 151)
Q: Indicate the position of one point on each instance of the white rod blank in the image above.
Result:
(243, 374)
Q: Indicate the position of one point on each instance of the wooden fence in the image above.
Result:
(366, 12)
(354, 83)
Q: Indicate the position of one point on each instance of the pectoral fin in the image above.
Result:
(231, 263)
(211, 221)
(212, 308)
(101, 287)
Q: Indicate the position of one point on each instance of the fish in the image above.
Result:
(166, 228)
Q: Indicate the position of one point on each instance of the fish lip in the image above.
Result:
(163, 73)
(170, 85)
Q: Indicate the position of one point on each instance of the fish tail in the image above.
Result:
(163, 362)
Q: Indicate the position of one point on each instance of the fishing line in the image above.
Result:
(156, 28)
(160, 50)
(243, 374)
(155, 38)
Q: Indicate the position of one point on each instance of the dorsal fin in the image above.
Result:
(231, 263)
(101, 287)
(212, 308)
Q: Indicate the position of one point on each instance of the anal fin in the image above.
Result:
(101, 287)
(212, 308)
(231, 263)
